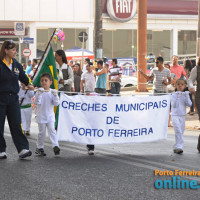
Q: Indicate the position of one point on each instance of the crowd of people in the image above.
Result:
(16, 100)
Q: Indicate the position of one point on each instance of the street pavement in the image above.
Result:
(124, 171)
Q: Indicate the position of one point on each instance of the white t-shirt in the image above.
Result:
(84, 68)
(45, 106)
(159, 77)
(89, 79)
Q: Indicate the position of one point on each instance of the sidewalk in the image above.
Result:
(192, 122)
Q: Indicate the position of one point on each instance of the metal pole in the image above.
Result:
(141, 44)
(83, 48)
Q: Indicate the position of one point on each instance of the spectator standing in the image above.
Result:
(87, 60)
(33, 68)
(195, 76)
(159, 75)
(28, 68)
(65, 72)
(188, 68)
(115, 74)
(101, 78)
(177, 69)
(88, 81)
(107, 80)
(77, 78)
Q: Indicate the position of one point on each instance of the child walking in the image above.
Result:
(179, 101)
(46, 99)
(25, 101)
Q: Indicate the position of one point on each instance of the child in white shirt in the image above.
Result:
(179, 101)
(25, 102)
(46, 99)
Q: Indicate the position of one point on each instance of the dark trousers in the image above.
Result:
(192, 106)
(100, 90)
(115, 88)
(9, 106)
(90, 147)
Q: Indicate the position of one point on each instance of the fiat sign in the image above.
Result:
(121, 10)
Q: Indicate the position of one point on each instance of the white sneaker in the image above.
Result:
(25, 153)
(3, 155)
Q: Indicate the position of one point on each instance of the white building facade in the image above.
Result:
(168, 34)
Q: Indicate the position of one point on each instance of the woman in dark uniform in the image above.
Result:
(11, 72)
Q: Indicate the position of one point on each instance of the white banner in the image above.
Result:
(109, 120)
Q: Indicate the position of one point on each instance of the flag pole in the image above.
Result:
(44, 53)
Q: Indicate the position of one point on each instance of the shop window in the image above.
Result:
(187, 43)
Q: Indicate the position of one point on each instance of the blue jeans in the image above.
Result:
(115, 88)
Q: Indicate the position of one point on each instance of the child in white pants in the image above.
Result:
(46, 99)
(179, 101)
(25, 101)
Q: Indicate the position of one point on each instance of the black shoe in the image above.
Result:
(178, 151)
(56, 150)
(40, 152)
(198, 145)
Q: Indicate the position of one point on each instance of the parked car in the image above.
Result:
(128, 81)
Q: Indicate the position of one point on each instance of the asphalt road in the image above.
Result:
(114, 172)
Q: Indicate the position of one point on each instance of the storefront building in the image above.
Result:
(172, 26)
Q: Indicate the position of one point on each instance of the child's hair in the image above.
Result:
(181, 79)
(47, 75)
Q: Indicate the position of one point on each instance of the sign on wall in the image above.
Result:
(122, 10)
(19, 28)
(26, 52)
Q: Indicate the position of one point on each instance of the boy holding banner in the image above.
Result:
(46, 99)
(179, 101)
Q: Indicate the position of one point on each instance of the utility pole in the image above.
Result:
(141, 44)
(98, 32)
(198, 32)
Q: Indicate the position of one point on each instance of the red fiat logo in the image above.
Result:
(121, 10)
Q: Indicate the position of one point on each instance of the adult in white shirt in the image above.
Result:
(88, 79)
(195, 76)
(65, 72)
(85, 64)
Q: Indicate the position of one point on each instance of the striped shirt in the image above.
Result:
(159, 77)
(114, 72)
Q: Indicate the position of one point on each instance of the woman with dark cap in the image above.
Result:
(11, 72)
